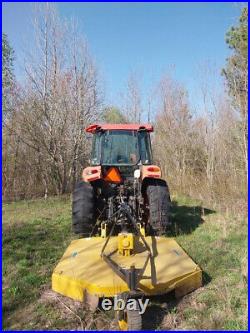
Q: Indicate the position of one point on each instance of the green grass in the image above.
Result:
(218, 243)
(36, 233)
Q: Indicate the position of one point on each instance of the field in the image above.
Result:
(36, 233)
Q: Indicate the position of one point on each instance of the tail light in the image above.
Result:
(92, 172)
(153, 169)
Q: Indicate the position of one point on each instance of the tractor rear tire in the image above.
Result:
(159, 203)
(83, 203)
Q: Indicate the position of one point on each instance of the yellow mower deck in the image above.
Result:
(81, 269)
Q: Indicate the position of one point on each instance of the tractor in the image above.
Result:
(121, 181)
(120, 209)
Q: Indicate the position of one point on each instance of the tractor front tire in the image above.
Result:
(83, 208)
(159, 203)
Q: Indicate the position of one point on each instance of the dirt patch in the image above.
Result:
(77, 312)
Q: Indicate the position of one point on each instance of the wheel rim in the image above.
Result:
(123, 325)
(122, 320)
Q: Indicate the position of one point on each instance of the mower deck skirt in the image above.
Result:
(81, 269)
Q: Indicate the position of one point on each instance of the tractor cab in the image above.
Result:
(121, 145)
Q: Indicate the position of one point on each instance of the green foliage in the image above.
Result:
(113, 115)
(236, 71)
(237, 37)
(7, 73)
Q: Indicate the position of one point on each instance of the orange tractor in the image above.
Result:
(121, 182)
(121, 209)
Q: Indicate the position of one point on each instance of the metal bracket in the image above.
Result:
(103, 229)
(131, 276)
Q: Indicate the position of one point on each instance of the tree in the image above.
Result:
(133, 103)
(236, 74)
(58, 99)
(113, 115)
(7, 75)
(236, 71)
(173, 131)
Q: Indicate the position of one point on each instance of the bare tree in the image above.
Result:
(172, 139)
(132, 99)
(59, 99)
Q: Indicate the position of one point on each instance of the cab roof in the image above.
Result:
(129, 127)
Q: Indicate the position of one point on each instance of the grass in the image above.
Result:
(36, 233)
(218, 243)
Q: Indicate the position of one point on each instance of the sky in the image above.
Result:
(147, 38)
